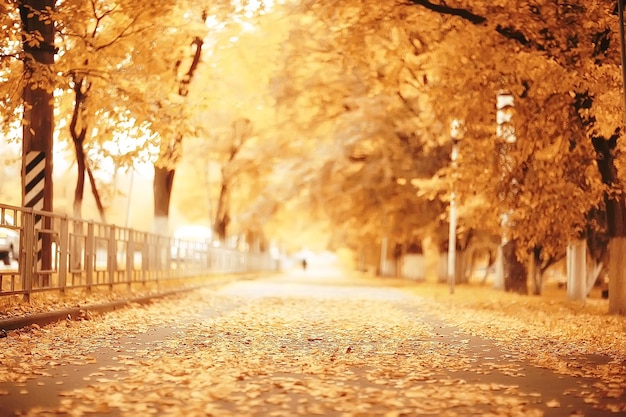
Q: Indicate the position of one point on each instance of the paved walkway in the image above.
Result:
(307, 343)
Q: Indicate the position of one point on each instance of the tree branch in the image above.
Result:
(95, 192)
(462, 13)
(514, 34)
(183, 89)
(506, 31)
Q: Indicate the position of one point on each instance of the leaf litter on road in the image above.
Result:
(295, 355)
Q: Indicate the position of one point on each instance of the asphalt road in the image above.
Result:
(306, 343)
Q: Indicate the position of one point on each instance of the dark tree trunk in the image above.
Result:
(615, 207)
(81, 87)
(38, 119)
(534, 271)
(162, 187)
(616, 222)
(514, 271)
(79, 191)
(96, 193)
(615, 204)
(164, 175)
(222, 219)
(78, 138)
(461, 272)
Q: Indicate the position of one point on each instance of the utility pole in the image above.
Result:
(38, 122)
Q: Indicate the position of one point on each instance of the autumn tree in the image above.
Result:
(233, 140)
(195, 83)
(96, 40)
(171, 140)
(27, 83)
(36, 81)
(575, 61)
(472, 51)
(362, 110)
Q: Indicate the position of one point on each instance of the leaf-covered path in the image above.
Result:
(303, 344)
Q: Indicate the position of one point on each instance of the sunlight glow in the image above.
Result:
(250, 7)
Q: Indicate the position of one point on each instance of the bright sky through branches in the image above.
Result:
(252, 7)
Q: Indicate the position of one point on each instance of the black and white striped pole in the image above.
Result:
(38, 126)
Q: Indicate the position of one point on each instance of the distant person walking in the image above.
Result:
(304, 264)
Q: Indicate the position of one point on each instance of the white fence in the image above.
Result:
(64, 252)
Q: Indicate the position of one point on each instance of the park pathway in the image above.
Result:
(315, 342)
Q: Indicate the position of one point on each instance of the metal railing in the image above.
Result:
(58, 252)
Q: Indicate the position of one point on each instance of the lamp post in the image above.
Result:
(456, 134)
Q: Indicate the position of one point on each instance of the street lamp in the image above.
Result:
(456, 134)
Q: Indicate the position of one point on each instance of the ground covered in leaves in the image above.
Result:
(308, 344)
(49, 301)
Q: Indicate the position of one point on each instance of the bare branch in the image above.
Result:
(506, 31)
(184, 84)
(443, 9)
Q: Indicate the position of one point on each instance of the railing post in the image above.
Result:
(63, 252)
(28, 252)
(145, 256)
(89, 254)
(211, 263)
(163, 257)
(168, 254)
(111, 256)
(130, 260)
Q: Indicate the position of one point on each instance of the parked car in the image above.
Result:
(9, 241)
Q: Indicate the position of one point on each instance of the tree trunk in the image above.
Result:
(398, 257)
(535, 271)
(617, 276)
(164, 176)
(96, 193)
(222, 218)
(616, 222)
(577, 270)
(76, 243)
(442, 269)
(162, 188)
(460, 267)
(79, 133)
(513, 270)
(460, 272)
(534, 275)
(79, 191)
(38, 115)
(360, 262)
(594, 268)
(491, 261)
(498, 282)
(383, 257)
(38, 121)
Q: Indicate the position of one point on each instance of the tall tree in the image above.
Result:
(195, 85)
(471, 51)
(165, 166)
(363, 110)
(231, 92)
(38, 119)
(100, 62)
(573, 45)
